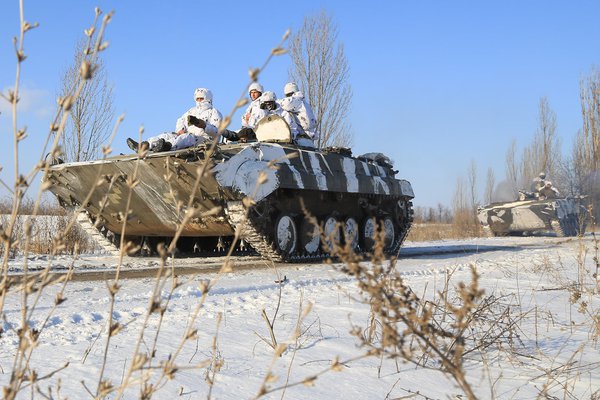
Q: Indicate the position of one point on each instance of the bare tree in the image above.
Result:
(548, 153)
(590, 110)
(489, 186)
(542, 155)
(586, 156)
(92, 112)
(320, 68)
(512, 168)
(472, 174)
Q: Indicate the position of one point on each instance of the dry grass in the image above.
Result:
(423, 232)
(37, 234)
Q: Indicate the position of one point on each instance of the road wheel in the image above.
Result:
(368, 231)
(351, 232)
(331, 230)
(390, 232)
(310, 239)
(286, 235)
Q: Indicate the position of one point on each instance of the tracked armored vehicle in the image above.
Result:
(529, 215)
(268, 187)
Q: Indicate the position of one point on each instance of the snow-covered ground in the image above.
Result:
(554, 348)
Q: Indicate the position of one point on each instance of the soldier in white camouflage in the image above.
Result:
(197, 125)
(270, 106)
(254, 91)
(538, 182)
(296, 104)
(548, 191)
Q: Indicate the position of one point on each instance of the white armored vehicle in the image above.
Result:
(563, 216)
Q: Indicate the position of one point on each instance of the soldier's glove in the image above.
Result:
(230, 135)
(191, 120)
(246, 134)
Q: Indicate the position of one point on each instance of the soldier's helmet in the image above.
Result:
(255, 86)
(268, 101)
(542, 175)
(290, 88)
(203, 93)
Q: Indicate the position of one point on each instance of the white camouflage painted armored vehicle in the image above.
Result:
(358, 194)
(562, 216)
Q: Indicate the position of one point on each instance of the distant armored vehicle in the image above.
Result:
(267, 186)
(563, 216)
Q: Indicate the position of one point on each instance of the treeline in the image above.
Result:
(439, 214)
(47, 206)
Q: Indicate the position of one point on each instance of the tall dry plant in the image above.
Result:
(320, 68)
(408, 328)
(92, 113)
(31, 286)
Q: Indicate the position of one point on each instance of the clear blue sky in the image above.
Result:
(436, 83)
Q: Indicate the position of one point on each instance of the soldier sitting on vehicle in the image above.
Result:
(254, 92)
(197, 125)
(295, 103)
(548, 191)
(268, 106)
(538, 182)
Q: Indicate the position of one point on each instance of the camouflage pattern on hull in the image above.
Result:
(156, 190)
(564, 217)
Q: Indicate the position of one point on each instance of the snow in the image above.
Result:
(555, 348)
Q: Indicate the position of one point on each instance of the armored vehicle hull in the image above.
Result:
(563, 217)
(269, 189)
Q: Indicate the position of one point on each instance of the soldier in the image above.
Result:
(269, 106)
(250, 118)
(197, 125)
(295, 103)
(254, 91)
(538, 182)
(548, 191)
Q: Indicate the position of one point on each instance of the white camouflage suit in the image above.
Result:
(248, 118)
(192, 135)
(301, 111)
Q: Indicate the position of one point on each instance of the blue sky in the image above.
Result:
(436, 84)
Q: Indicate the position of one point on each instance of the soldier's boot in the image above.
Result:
(133, 145)
(162, 145)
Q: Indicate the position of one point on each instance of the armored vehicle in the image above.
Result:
(274, 189)
(528, 215)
